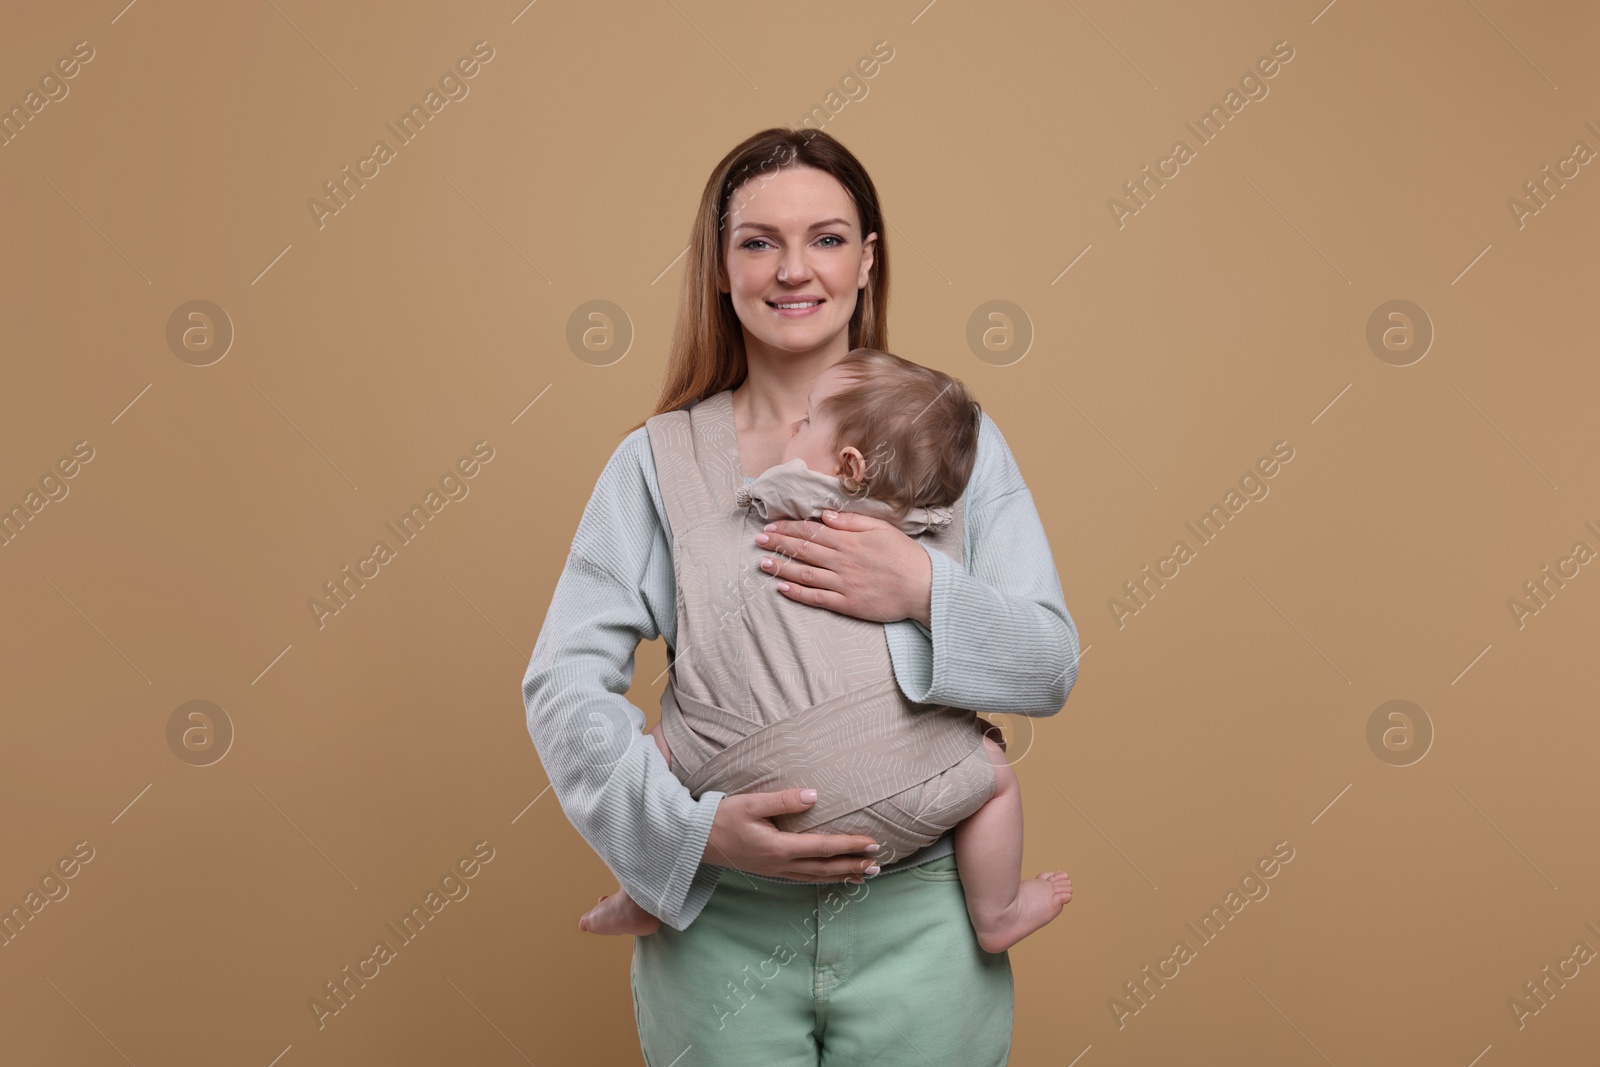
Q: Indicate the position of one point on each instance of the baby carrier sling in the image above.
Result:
(766, 693)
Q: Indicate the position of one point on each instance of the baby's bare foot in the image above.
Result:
(1038, 901)
(617, 913)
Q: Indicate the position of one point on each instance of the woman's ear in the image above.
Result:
(868, 255)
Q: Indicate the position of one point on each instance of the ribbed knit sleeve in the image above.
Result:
(1000, 637)
(606, 773)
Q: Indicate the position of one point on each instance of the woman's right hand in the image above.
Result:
(742, 837)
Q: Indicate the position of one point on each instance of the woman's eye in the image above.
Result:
(826, 237)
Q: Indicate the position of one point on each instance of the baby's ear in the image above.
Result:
(854, 465)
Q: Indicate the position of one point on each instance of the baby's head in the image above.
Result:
(889, 429)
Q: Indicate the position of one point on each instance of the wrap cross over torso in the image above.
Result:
(766, 693)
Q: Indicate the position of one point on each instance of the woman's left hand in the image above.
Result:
(854, 564)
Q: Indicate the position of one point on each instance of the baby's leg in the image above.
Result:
(1003, 908)
(617, 913)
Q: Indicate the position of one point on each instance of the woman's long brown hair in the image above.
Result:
(707, 351)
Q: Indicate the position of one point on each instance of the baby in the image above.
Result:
(915, 465)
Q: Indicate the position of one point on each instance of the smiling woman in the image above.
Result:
(787, 272)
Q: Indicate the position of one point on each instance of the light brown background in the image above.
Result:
(1229, 314)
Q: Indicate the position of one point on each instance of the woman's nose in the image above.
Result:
(793, 266)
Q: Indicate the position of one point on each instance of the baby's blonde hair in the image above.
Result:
(916, 427)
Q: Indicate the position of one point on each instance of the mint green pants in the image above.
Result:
(886, 973)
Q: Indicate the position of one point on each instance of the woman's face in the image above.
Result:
(794, 236)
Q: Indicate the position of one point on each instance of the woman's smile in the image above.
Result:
(796, 309)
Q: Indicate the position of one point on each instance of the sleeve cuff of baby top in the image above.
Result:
(911, 643)
(692, 878)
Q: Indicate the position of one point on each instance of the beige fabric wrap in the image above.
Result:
(766, 693)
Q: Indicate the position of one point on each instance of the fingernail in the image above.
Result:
(761, 538)
(769, 527)
(808, 795)
(874, 869)
(871, 848)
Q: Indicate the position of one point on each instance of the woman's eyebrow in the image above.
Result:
(773, 229)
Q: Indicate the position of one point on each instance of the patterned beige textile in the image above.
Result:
(766, 693)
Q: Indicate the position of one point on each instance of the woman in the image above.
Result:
(764, 956)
